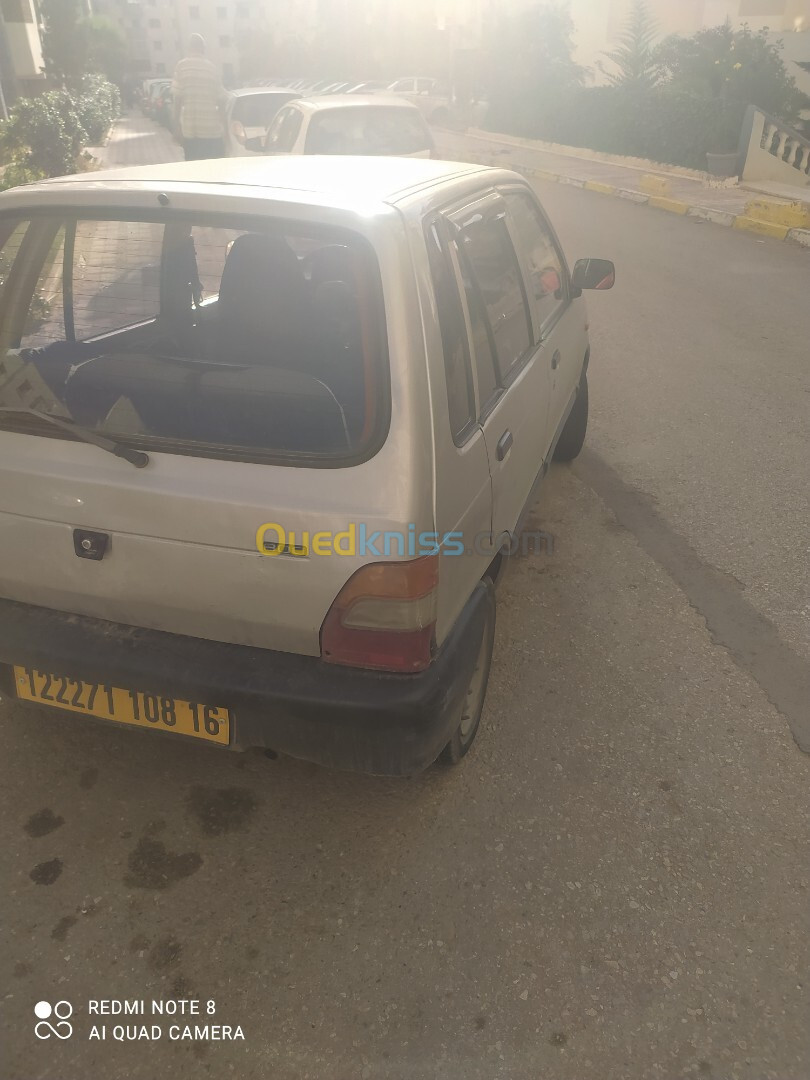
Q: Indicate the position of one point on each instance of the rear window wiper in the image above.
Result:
(135, 457)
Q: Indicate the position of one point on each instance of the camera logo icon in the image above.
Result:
(62, 1011)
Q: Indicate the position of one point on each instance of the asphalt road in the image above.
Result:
(614, 884)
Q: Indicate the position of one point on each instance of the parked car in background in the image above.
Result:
(337, 88)
(430, 96)
(164, 107)
(368, 87)
(350, 124)
(379, 349)
(248, 114)
(153, 94)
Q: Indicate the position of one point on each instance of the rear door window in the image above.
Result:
(460, 396)
(236, 340)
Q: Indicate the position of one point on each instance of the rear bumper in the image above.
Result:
(347, 718)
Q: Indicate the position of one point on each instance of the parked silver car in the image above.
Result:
(268, 429)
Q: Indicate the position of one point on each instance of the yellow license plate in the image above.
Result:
(125, 706)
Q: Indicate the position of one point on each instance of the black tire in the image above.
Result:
(473, 704)
(573, 434)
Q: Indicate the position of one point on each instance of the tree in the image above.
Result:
(530, 66)
(734, 67)
(635, 55)
(63, 42)
(105, 48)
(74, 44)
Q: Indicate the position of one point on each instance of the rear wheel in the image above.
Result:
(573, 434)
(472, 704)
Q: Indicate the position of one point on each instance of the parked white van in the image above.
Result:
(267, 429)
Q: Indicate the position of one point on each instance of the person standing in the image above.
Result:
(198, 99)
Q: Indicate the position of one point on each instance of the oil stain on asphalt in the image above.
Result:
(220, 810)
(46, 873)
(43, 822)
(151, 866)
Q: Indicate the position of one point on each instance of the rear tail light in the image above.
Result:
(384, 617)
(239, 132)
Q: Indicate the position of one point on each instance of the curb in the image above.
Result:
(726, 218)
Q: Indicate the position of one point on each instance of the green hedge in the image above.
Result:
(44, 135)
(659, 124)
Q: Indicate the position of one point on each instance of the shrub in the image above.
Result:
(16, 173)
(659, 124)
(99, 103)
(45, 135)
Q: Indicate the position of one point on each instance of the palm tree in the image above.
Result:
(635, 56)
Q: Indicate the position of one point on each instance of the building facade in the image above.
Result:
(20, 49)
(158, 31)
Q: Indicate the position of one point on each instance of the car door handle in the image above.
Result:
(555, 360)
(504, 445)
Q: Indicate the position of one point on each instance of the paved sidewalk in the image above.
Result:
(675, 190)
(135, 140)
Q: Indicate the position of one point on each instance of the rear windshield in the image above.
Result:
(375, 130)
(257, 110)
(209, 337)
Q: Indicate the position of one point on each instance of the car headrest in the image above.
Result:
(262, 280)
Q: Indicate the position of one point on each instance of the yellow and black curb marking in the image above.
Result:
(780, 220)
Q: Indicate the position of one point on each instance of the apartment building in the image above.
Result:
(159, 30)
(20, 49)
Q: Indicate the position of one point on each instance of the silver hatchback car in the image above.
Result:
(267, 432)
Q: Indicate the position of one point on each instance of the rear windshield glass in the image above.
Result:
(367, 131)
(257, 110)
(227, 339)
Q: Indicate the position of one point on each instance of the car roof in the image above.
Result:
(333, 180)
(249, 91)
(352, 101)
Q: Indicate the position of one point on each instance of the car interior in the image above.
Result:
(232, 339)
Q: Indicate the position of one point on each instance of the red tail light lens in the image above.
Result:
(384, 617)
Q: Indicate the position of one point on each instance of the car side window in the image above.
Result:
(480, 337)
(546, 275)
(495, 270)
(283, 132)
(460, 397)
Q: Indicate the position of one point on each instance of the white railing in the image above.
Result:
(770, 150)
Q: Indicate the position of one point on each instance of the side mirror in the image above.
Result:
(593, 274)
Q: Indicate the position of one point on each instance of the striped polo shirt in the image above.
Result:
(198, 89)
